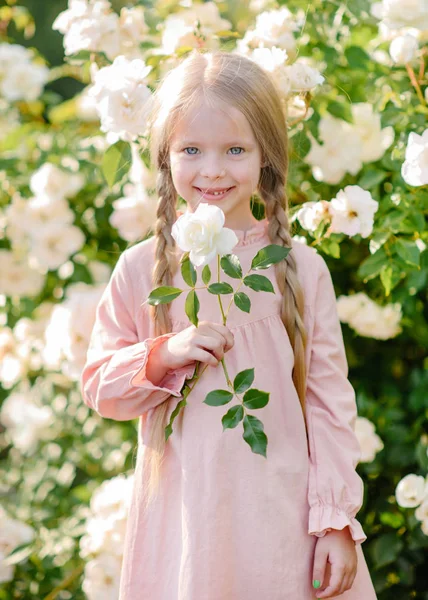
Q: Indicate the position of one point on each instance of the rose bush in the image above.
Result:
(77, 189)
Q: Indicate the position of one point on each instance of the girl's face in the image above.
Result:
(215, 148)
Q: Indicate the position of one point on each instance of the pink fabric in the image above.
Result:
(228, 523)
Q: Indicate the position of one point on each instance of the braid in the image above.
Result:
(292, 309)
(165, 246)
(163, 271)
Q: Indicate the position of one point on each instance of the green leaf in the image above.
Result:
(206, 274)
(243, 380)
(181, 404)
(242, 301)
(255, 399)
(220, 288)
(192, 306)
(356, 57)
(218, 397)
(259, 283)
(231, 266)
(163, 295)
(116, 162)
(330, 247)
(188, 272)
(390, 276)
(340, 110)
(371, 177)
(408, 251)
(386, 549)
(269, 255)
(233, 417)
(254, 435)
(373, 265)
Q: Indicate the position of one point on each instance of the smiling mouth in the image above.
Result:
(214, 192)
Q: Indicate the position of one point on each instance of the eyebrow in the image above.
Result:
(231, 143)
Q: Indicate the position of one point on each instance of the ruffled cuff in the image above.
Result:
(173, 380)
(325, 517)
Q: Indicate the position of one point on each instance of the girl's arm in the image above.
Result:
(114, 380)
(335, 488)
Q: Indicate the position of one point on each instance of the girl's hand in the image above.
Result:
(206, 343)
(335, 563)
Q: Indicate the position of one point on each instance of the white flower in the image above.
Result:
(102, 578)
(123, 99)
(181, 29)
(133, 28)
(11, 55)
(370, 442)
(26, 423)
(399, 14)
(353, 211)
(415, 167)
(410, 491)
(202, 234)
(24, 81)
(68, 332)
(329, 162)
(134, 214)
(54, 245)
(303, 77)
(54, 183)
(273, 60)
(89, 25)
(421, 513)
(368, 318)
(275, 28)
(13, 533)
(312, 214)
(403, 49)
(17, 278)
(367, 125)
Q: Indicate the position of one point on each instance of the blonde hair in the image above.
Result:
(240, 82)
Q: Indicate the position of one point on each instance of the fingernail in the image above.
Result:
(316, 583)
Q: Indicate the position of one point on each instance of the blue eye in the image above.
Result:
(239, 148)
(192, 148)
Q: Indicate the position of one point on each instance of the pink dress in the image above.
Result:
(229, 524)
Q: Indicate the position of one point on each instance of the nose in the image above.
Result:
(212, 170)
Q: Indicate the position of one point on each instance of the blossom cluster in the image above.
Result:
(412, 492)
(21, 78)
(92, 25)
(368, 318)
(102, 545)
(365, 141)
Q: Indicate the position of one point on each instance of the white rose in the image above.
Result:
(312, 214)
(421, 513)
(353, 211)
(202, 234)
(398, 14)
(367, 125)
(329, 162)
(49, 181)
(303, 77)
(415, 167)
(410, 491)
(403, 49)
(123, 99)
(370, 442)
(24, 81)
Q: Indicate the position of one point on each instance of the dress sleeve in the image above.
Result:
(335, 491)
(114, 381)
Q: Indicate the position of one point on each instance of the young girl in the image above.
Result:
(226, 523)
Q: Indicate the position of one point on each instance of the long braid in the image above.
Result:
(293, 305)
(163, 271)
